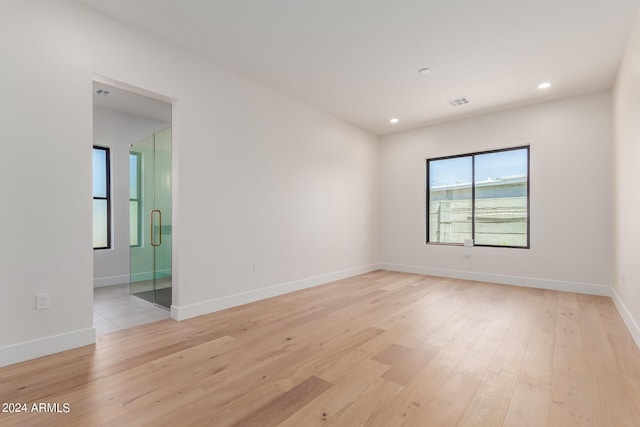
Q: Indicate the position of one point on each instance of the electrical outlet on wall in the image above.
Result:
(42, 301)
(255, 268)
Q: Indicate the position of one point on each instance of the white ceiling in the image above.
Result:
(359, 59)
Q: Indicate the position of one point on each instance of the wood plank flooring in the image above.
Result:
(380, 349)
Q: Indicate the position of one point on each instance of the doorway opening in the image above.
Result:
(132, 273)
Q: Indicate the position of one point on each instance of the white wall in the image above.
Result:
(570, 196)
(259, 178)
(627, 188)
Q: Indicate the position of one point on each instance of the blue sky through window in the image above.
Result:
(99, 172)
(499, 164)
(450, 171)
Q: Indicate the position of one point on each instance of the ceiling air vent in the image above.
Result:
(458, 101)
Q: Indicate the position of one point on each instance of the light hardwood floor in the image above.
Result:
(380, 349)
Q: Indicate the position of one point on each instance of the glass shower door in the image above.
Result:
(150, 218)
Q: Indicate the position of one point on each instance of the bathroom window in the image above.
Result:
(135, 212)
(101, 198)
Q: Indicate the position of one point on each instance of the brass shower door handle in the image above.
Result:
(151, 222)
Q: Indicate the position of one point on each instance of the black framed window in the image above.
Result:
(482, 196)
(135, 212)
(101, 198)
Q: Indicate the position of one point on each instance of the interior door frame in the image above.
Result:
(175, 274)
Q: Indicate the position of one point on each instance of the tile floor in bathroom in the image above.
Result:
(115, 309)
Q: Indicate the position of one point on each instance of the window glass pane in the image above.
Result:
(99, 173)
(133, 221)
(450, 200)
(100, 239)
(133, 176)
(501, 198)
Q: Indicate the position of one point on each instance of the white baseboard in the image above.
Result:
(632, 325)
(99, 282)
(530, 282)
(217, 304)
(21, 352)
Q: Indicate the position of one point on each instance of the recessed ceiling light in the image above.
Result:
(544, 85)
(394, 120)
(424, 71)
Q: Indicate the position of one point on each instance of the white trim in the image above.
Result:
(530, 282)
(20, 352)
(147, 275)
(632, 325)
(141, 277)
(210, 306)
(99, 282)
